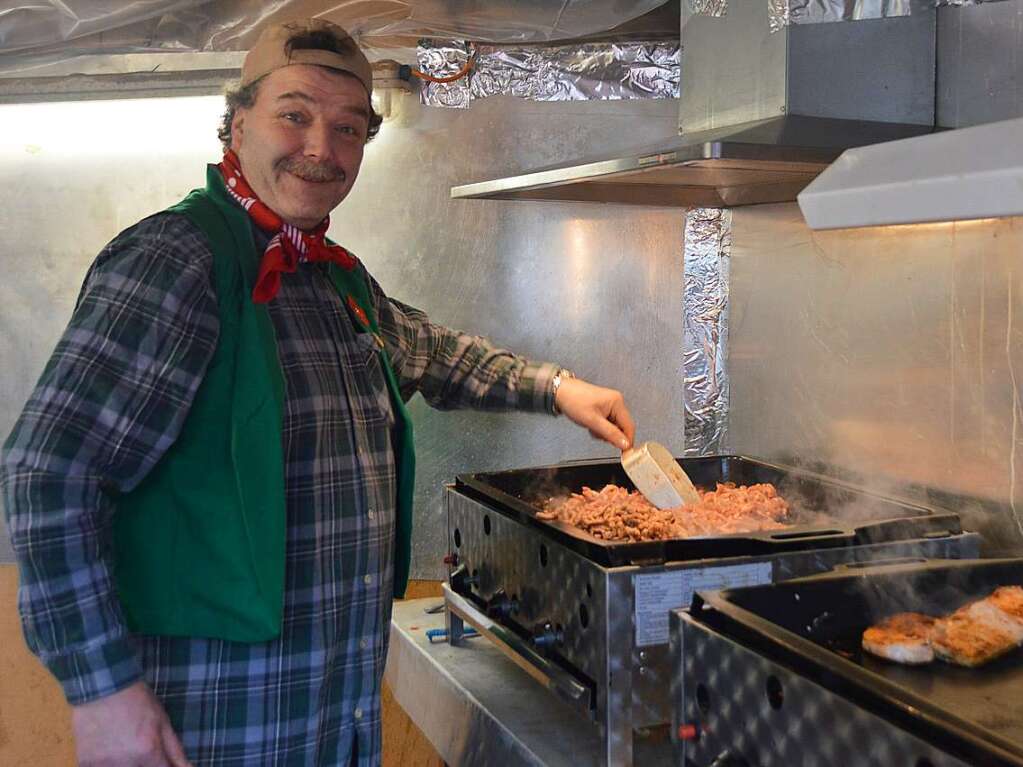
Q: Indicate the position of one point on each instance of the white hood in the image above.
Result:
(960, 174)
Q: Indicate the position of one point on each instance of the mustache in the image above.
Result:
(310, 170)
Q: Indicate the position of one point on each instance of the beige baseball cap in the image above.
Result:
(271, 52)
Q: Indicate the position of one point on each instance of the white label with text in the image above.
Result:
(657, 594)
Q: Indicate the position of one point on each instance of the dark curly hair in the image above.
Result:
(243, 97)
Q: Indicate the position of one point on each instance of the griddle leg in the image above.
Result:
(614, 717)
(455, 627)
(614, 699)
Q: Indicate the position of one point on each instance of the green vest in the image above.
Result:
(199, 544)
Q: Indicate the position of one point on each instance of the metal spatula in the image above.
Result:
(657, 475)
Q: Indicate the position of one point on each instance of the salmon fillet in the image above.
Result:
(972, 636)
(903, 638)
(986, 612)
(976, 633)
(1009, 599)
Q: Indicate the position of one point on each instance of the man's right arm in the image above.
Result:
(111, 400)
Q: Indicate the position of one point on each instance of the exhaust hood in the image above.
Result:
(761, 113)
(961, 174)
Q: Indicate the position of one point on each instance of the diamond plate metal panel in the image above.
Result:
(549, 582)
(757, 710)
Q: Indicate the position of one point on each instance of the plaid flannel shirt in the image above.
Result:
(109, 403)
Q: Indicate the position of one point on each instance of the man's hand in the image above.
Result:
(600, 410)
(126, 729)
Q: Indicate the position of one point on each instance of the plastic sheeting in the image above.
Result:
(47, 31)
(587, 71)
(707, 249)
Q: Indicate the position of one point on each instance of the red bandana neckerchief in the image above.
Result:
(289, 244)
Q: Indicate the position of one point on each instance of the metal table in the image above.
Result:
(478, 708)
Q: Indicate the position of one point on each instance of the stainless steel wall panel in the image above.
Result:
(980, 63)
(893, 354)
(594, 287)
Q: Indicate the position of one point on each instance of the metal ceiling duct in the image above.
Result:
(762, 112)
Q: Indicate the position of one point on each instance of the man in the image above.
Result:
(209, 489)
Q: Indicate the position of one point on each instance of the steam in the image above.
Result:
(812, 504)
(545, 487)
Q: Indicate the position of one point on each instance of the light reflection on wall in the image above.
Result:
(103, 128)
(581, 246)
(920, 227)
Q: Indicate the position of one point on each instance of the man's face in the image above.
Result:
(300, 144)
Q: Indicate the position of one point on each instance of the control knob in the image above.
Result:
(546, 636)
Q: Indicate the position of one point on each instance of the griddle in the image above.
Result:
(813, 626)
(826, 513)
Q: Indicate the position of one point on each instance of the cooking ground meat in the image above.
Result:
(618, 514)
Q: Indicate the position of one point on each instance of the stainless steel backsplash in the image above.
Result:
(893, 355)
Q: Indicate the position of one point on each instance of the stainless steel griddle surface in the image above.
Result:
(826, 513)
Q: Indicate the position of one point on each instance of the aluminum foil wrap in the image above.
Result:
(443, 60)
(782, 13)
(707, 246)
(582, 72)
(716, 8)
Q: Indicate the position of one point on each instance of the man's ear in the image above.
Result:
(237, 130)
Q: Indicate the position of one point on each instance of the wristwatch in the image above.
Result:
(560, 376)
